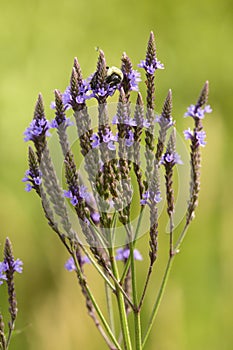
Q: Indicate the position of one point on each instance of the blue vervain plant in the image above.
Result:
(113, 152)
(8, 267)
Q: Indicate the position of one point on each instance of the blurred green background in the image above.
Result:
(38, 41)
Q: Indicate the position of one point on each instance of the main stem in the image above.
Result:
(127, 264)
(108, 293)
(159, 298)
(175, 250)
(120, 301)
(137, 321)
(96, 307)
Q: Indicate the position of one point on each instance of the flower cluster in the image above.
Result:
(108, 138)
(113, 155)
(150, 66)
(33, 177)
(198, 135)
(37, 128)
(154, 197)
(66, 122)
(134, 78)
(197, 112)
(171, 158)
(16, 266)
(76, 193)
(8, 267)
(82, 96)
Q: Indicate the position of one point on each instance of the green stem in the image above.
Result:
(181, 238)
(159, 298)
(11, 328)
(137, 321)
(108, 294)
(121, 303)
(127, 264)
(96, 266)
(145, 286)
(98, 234)
(171, 234)
(95, 305)
(103, 275)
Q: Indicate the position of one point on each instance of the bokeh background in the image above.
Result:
(38, 41)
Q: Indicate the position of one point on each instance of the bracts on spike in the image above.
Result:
(195, 155)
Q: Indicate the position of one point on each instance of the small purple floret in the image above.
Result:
(76, 193)
(150, 68)
(70, 265)
(34, 179)
(3, 269)
(129, 138)
(200, 136)
(172, 158)
(134, 78)
(18, 266)
(123, 254)
(152, 196)
(199, 112)
(95, 140)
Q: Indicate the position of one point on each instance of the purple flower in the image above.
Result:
(53, 105)
(67, 122)
(95, 140)
(133, 77)
(123, 254)
(83, 192)
(28, 188)
(150, 68)
(70, 265)
(74, 201)
(115, 120)
(67, 98)
(131, 122)
(154, 197)
(199, 112)
(3, 269)
(146, 123)
(95, 217)
(103, 90)
(188, 134)
(18, 266)
(108, 138)
(145, 198)
(37, 128)
(172, 158)
(75, 194)
(129, 139)
(111, 146)
(34, 179)
(200, 136)
(83, 95)
(73, 198)
(165, 123)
